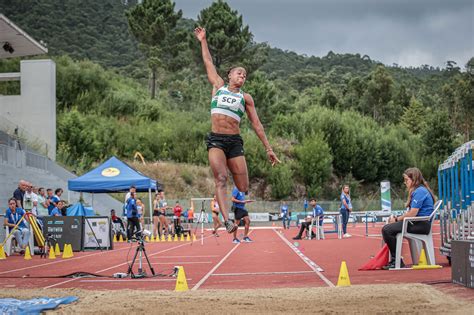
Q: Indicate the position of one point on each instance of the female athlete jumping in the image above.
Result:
(224, 143)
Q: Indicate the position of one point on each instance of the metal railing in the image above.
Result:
(456, 189)
(21, 138)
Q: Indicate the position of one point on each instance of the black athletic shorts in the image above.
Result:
(240, 213)
(232, 145)
(156, 213)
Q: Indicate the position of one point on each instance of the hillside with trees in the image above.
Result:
(130, 78)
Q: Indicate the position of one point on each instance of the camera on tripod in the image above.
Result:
(140, 252)
(139, 236)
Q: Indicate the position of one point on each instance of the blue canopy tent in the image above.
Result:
(113, 176)
(78, 209)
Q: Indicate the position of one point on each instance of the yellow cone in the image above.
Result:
(57, 251)
(147, 239)
(181, 283)
(188, 238)
(67, 252)
(121, 239)
(27, 253)
(182, 238)
(175, 239)
(2, 253)
(115, 238)
(343, 280)
(157, 238)
(71, 254)
(423, 262)
(194, 237)
(52, 254)
(163, 238)
(169, 238)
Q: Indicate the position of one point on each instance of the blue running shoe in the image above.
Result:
(247, 240)
(236, 241)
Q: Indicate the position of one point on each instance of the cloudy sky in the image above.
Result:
(406, 32)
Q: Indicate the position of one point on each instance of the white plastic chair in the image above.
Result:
(8, 247)
(415, 241)
(319, 228)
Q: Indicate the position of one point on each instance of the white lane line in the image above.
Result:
(262, 273)
(182, 263)
(169, 257)
(135, 280)
(197, 285)
(125, 263)
(63, 260)
(317, 269)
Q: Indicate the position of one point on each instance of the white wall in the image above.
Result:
(35, 109)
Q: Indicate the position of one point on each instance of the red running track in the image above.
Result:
(269, 262)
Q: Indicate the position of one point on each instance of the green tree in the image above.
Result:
(153, 23)
(226, 35)
(414, 116)
(281, 181)
(438, 135)
(378, 94)
(264, 95)
(314, 162)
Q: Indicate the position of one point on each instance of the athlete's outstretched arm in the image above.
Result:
(257, 126)
(212, 75)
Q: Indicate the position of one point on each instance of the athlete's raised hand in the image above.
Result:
(272, 157)
(200, 33)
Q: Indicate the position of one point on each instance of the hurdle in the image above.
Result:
(456, 189)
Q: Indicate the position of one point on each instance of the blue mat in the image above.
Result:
(33, 306)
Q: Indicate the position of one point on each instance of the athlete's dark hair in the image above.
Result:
(233, 67)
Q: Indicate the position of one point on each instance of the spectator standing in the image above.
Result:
(50, 195)
(284, 212)
(43, 203)
(346, 209)
(191, 213)
(19, 193)
(156, 215)
(30, 199)
(133, 225)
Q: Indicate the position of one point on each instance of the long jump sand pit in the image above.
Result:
(362, 299)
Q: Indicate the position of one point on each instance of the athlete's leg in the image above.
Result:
(164, 225)
(237, 222)
(217, 160)
(216, 221)
(238, 168)
(156, 220)
(247, 226)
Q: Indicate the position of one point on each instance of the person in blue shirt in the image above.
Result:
(238, 207)
(12, 216)
(285, 215)
(318, 212)
(58, 210)
(346, 209)
(133, 220)
(420, 203)
(50, 201)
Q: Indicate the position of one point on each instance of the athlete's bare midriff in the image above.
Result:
(224, 124)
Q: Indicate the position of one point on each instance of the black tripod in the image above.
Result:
(49, 243)
(140, 252)
(200, 220)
